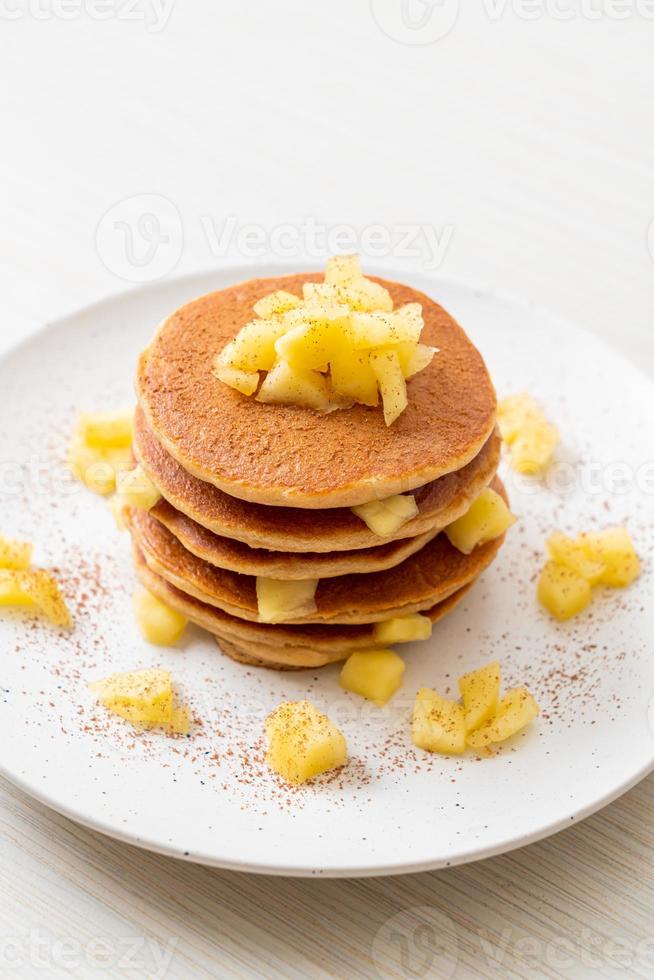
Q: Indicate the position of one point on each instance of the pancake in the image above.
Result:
(287, 455)
(431, 575)
(239, 557)
(294, 529)
(260, 644)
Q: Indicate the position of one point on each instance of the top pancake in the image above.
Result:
(286, 455)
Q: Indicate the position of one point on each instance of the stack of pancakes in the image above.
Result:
(250, 489)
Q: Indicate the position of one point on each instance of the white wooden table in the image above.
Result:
(512, 151)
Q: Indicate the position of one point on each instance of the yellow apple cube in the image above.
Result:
(361, 295)
(34, 587)
(290, 385)
(379, 329)
(486, 519)
(438, 724)
(515, 413)
(315, 335)
(480, 690)
(107, 430)
(253, 348)
(374, 674)
(386, 367)
(342, 269)
(614, 549)
(97, 468)
(563, 592)
(136, 489)
(158, 623)
(279, 601)
(303, 742)
(246, 382)
(15, 555)
(386, 517)
(571, 553)
(515, 711)
(275, 304)
(532, 450)
(414, 357)
(352, 377)
(403, 629)
(143, 697)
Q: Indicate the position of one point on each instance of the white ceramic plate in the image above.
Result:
(210, 798)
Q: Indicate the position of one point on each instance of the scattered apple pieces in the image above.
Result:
(404, 629)
(340, 343)
(145, 698)
(449, 727)
(486, 519)
(279, 601)
(302, 742)
(577, 564)
(16, 555)
(387, 516)
(100, 449)
(374, 674)
(530, 437)
(158, 623)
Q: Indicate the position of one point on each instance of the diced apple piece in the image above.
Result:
(136, 489)
(97, 468)
(378, 329)
(253, 347)
(303, 742)
(386, 367)
(614, 550)
(374, 674)
(526, 430)
(486, 519)
(515, 711)
(438, 724)
(15, 554)
(414, 358)
(514, 413)
(532, 450)
(107, 430)
(342, 269)
(12, 589)
(480, 690)
(566, 551)
(352, 377)
(280, 601)
(316, 335)
(361, 295)
(246, 382)
(275, 304)
(287, 384)
(562, 592)
(158, 623)
(34, 587)
(143, 697)
(403, 629)
(385, 517)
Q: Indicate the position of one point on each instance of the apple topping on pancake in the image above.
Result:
(341, 343)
